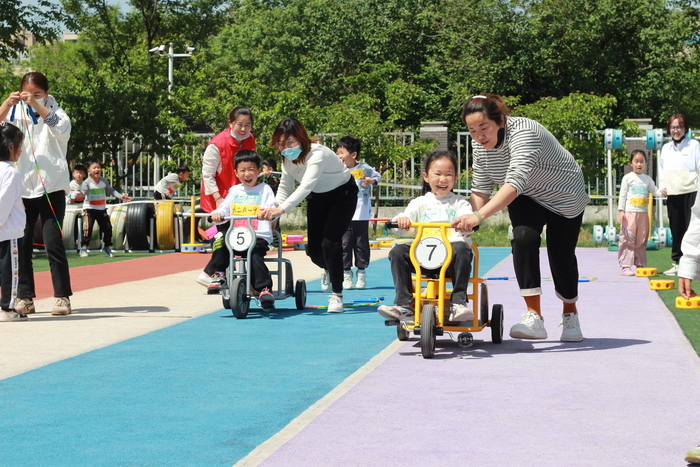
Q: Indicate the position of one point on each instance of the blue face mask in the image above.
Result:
(239, 139)
(291, 153)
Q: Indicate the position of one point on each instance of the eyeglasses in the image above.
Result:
(676, 128)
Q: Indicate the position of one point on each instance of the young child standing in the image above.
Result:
(12, 220)
(247, 198)
(269, 174)
(95, 189)
(437, 204)
(79, 175)
(633, 217)
(169, 184)
(356, 239)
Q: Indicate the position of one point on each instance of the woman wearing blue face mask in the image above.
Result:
(218, 176)
(332, 196)
(46, 182)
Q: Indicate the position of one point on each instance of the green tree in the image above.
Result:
(42, 19)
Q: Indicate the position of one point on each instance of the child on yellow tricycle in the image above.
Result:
(437, 255)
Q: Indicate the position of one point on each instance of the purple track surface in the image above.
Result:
(629, 394)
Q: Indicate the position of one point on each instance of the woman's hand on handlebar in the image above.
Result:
(465, 223)
(267, 214)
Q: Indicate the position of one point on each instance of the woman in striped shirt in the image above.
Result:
(541, 184)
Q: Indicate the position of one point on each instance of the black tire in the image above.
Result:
(402, 333)
(300, 294)
(225, 296)
(138, 225)
(497, 324)
(427, 331)
(240, 301)
(483, 303)
(288, 279)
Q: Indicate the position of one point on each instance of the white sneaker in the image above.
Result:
(531, 326)
(401, 312)
(83, 252)
(347, 280)
(673, 271)
(204, 279)
(460, 312)
(361, 280)
(12, 315)
(572, 328)
(325, 281)
(335, 303)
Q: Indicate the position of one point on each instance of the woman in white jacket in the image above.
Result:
(45, 182)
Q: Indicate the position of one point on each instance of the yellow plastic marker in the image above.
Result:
(646, 272)
(656, 284)
(688, 303)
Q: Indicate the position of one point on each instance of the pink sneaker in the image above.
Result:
(267, 300)
(627, 272)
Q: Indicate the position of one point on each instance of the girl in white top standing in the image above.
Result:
(45, 184)
(12, 220)
(331, 195)
(678, 181)
(633, 207)
(437, 204)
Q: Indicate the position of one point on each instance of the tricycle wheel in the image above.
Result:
(497, 324)
(483, 303)
(427, 331)
(401, 332)
(240, 301)
(300, 294)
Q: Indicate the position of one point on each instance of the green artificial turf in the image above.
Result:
(41, 263)
(688, 319)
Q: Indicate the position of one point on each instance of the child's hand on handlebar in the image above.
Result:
(404, 223)
(216, 217)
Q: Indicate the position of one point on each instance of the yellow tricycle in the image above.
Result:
(431, 254)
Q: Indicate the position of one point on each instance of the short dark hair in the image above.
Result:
(351, 144)
(11, 139)
(246, 155)
(80, 167)
(183, 169)
(94, 161)
(270, 163)
(292, 127)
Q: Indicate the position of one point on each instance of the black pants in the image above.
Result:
(158, 195)
(459, 271)
(39, 208)
(679, 207)
(356, 240)
(328, 216)
(259, 273)
(10, 253)
(528, 219)
(102, 218)
(220, 256)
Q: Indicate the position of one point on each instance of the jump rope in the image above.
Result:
(26, 112)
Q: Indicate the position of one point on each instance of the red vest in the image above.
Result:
(228, 146)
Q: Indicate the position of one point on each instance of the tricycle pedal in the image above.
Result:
(391, 322)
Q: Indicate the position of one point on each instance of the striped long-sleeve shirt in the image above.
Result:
(535, 164)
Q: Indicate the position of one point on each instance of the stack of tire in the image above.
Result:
(131, 227)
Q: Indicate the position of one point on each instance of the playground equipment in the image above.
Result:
(432, 299)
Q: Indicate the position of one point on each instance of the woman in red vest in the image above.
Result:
(218, 176)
